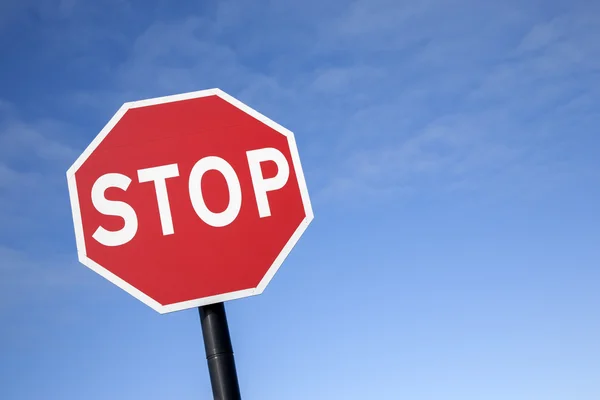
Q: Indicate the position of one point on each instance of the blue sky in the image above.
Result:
(451, 153)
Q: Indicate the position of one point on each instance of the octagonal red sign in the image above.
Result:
(188, 200)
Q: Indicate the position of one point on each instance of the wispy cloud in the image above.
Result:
(26, 280)
(473, 104)
(383, 94)
(34, 156)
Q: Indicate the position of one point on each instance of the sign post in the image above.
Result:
(188, 201)
(219, 352)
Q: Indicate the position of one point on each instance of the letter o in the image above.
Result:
(223, 218)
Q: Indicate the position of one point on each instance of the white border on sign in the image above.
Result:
(78, 225)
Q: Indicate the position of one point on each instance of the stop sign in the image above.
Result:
(188, 200)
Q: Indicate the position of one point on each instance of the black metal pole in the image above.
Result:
(219, 352)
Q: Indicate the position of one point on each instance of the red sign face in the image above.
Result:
(188, 200)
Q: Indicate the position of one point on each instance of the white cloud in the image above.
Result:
(34, 157)
(18, 137)
(384, 92)
(375, 25)
(11, 179)
(339, 79)
(25, 279)
(33, 140)
(33, 207)
(175, 56)
(474, 107)
(540, 36)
